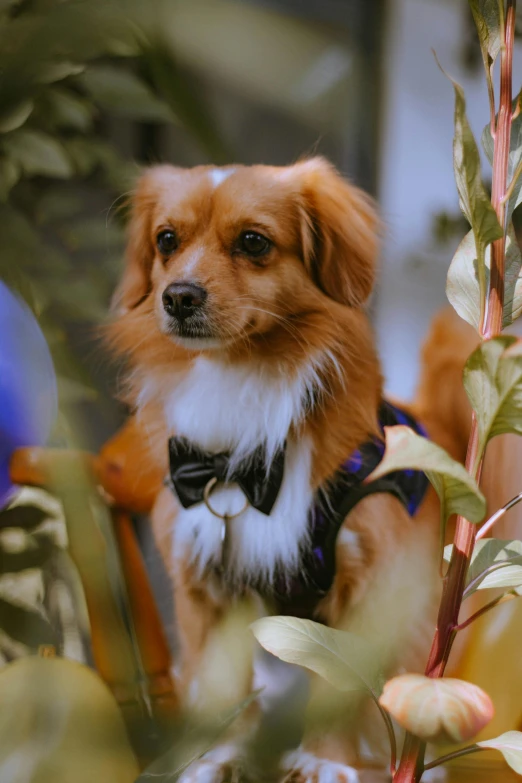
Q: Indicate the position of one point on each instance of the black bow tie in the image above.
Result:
(191, 470)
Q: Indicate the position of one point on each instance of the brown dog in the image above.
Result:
(241, 317)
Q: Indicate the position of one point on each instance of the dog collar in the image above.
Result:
(193, 473)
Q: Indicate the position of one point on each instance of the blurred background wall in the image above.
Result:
(416, 187)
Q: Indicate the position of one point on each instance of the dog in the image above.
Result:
(253, 376)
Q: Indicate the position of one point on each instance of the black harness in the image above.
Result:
(193, 471)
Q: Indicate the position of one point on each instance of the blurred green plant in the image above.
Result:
(66, 68)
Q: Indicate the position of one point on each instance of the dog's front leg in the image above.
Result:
(214, 658)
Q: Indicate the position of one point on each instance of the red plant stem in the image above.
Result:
(412, 760)
(501, 599)
(500, 170)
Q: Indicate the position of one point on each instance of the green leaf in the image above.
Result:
(457, 490)
(193, 743)
(487, 19)
(9, 176)
(25, 626)
(499, 563)
(173, 83)
(38, 153)
(462, 285)
(65, 109)
(510, 745)
(493, 383)
(474, 200)
(92, 234)
(346, 661)
(16, 116)
(119, 91)
(55, 72)
(515, 156)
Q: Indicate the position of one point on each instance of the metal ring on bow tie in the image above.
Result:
(206, 499)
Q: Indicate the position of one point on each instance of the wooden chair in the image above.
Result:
(129, 645)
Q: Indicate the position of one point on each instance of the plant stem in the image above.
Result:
(412, 760)
(391, 736)
(500, 170)
(491, 605)
(455, 755)
(486, 527)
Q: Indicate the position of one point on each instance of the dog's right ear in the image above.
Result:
(135, 284)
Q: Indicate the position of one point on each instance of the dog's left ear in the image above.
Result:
(340, 231)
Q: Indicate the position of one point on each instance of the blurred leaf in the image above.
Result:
(64, 109)
(192, 744)
(25, 626)
(16, 117)
(487, 19)
(439, 710)
(38, 153)
(515, 155)
(462, 286)
(88, 154)
(119, 91)
(56, 72)
(510, 745)
(92, 234)
(474, 200)
(9, 176)
(59, 723)
(493, 383)
(499, 563)
(345, 660)
(173, 85)
(55, 205)
(457, 490)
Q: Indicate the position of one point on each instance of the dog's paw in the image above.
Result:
(302, 767)
(216, 766)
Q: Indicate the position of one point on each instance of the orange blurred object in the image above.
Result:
(123, 473)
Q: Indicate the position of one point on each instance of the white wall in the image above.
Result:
(416, 172)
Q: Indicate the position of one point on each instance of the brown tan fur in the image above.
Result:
(306, 296)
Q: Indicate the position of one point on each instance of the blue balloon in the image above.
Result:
(28, 394)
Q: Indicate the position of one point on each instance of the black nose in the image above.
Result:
(181, 300)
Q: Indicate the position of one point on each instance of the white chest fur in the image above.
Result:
(237, 409)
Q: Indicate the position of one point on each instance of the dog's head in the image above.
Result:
(223, 255)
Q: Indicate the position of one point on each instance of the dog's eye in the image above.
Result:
(167, 242)
(253, 244)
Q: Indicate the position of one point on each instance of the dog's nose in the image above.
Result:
(182, 300)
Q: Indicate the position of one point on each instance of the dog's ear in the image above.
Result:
(340, 232)
(135, 285)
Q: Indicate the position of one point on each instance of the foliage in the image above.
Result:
(426, 705)
(68, 69)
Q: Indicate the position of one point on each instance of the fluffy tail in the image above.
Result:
(441, 402)
(444, 409)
